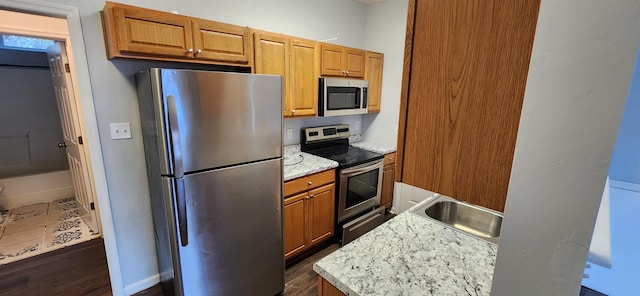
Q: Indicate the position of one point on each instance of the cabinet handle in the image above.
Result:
(307, 197)
(309, 183)
(344, 72)
(311, 196)
(199, 51)
(190, 50)
(347, 71)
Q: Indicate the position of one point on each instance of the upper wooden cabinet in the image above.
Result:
(373, 74)
(296, 60)
(139, 33)
(341, 61)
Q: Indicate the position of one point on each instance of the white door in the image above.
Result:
(72, 133)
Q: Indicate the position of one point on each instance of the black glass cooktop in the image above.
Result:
(345, 155)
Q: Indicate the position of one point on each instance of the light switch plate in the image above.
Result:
(120, 131)
(289, 134)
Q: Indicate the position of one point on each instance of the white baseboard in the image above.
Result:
(31, 189)
(142, 285)
(624, 185)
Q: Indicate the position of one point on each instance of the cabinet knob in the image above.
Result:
(293, 111)
(311, 196)
(190, 50)
(347, 71)
(199, 51)
(308, 197)
(309, 183)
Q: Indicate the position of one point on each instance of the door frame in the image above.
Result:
(76, 41)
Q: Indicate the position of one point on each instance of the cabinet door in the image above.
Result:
(354, 62)
(220, 42)
(373, 74)
(272, 57)
(304, 78)
(388, 181)
(331, 60)
(149, 32)
(321, 213)
(294, 225)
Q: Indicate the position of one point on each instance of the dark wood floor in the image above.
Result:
(75, 270)
(299, 279)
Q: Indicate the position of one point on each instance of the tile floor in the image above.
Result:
(34, 229)
(622, 278)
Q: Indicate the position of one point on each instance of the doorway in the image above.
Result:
(48, 197)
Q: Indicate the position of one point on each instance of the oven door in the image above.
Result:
(360, 188)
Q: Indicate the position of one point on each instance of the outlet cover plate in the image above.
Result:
(120, 131)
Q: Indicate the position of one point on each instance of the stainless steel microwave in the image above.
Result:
(339, 97)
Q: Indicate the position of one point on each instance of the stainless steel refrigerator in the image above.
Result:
(213, 146)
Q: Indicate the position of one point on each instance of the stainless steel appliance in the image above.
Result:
(359, 178)
(338, 96)
(213, 144)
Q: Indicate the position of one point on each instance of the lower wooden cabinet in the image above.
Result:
(308, 215)
(388, 180)
(325, 288)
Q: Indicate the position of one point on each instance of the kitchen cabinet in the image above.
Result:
(309, 205)
(463, 85)
(373, 74)
(296, 60)
(388, 180)
(325, 288)
(139, 33)
(341, 61)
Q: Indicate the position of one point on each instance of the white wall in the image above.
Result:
(385, 32)
(576, 89)
(115, 99)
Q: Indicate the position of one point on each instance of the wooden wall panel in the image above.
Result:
(469, 64)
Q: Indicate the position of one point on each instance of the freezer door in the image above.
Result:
(218, 119)
(234, 231)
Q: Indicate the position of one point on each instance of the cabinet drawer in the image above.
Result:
(390, 158)
(308, 182)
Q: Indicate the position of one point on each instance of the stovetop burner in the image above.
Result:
(332, 142)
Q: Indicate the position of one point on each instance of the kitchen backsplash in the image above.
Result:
(354, 122)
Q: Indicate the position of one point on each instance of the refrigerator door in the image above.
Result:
(234, 231)
(217, 119)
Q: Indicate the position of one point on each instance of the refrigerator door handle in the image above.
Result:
(181, 204)
(175, 136)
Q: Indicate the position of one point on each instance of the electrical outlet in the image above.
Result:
(289, 134)
(357, 125)
(120, 131)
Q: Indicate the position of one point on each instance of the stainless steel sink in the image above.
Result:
(472, 219)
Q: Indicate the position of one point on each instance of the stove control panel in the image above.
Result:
(324, 133)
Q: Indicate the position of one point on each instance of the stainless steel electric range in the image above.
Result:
(358, 177)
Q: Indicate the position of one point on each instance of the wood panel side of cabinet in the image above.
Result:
(305, 70)
(373, 74)
(466, 85)
(134, 30)
(222, 42)
(327, 289)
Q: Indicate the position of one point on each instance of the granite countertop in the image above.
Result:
(298, 164)
(410, 255)
(374, 146)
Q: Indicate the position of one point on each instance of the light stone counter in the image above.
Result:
(374, 146)
(410, 255)
(298, 164)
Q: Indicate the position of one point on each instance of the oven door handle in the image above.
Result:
(361, 169)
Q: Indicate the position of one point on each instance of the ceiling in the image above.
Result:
(369, 2)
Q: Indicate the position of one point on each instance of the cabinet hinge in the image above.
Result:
(80, 140)
(93, 206)
(67, 68)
